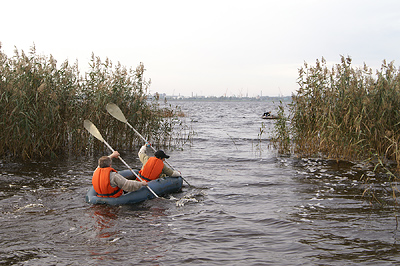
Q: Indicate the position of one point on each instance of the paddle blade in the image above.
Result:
(92, 130)
(114, 110)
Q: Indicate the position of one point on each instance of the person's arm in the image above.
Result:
(117, 180)
(143, 157)
(169, 172)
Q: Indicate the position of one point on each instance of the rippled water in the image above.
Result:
(247, 206)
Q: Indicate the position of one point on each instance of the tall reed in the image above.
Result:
(43, 106)
(346, 112)
(281, 138)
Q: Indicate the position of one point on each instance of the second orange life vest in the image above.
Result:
(152, 169)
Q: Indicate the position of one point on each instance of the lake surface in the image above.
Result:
(247, 205)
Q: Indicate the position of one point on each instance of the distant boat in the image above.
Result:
(268, 115)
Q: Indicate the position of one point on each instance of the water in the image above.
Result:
(248, 206)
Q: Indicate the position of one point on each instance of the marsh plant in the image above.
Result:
(43, 106)
(281, 137)
(346, 113)
(175, 131)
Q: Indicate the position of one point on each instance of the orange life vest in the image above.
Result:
(101, 183)
(152, 169)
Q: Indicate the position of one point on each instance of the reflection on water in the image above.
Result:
(247, 206)
(105, 219)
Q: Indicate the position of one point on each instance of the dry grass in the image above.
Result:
(347, 113)
(43, 106)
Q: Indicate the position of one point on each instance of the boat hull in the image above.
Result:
(270, 117)
(161, 186)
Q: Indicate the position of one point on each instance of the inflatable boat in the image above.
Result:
(161, 186)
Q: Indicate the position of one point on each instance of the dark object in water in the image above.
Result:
(267, 115)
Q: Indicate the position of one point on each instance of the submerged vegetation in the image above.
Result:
(43, 106)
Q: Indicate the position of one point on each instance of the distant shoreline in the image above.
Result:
(231, 99)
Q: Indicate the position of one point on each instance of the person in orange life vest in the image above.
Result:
(154, 167)
(108, 183)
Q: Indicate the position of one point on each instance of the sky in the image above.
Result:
(208, 48)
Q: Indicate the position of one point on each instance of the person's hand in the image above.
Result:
(148, 144)
(115, 154)
(144, 183)
(142, 149)
(176, 174)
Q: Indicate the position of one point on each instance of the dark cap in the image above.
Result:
(160, 154)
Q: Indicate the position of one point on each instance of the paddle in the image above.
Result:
(116, 112)
(96, 133)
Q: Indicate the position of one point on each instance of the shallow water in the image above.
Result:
(248, 206)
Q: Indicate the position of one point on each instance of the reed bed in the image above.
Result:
(43, 106)
(346, 113)
(281, 138)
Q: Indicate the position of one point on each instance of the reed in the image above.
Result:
(345, 112)
(281, 137)
(43, 106)
(179, 131)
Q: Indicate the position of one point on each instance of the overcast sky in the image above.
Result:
(216, 47)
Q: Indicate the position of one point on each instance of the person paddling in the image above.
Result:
(108, 183)
(154, 167)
